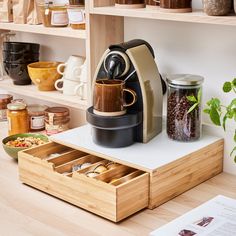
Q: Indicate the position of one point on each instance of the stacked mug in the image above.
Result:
(16, 57)
(74, 80)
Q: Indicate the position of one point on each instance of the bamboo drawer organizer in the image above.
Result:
(156, 171)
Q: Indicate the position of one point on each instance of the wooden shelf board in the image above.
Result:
(150, 156)
(40, 29)
(50, 96)
(194, 17)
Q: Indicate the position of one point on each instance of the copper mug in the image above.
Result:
(109, 97)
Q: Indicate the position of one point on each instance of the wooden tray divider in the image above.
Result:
(128, 177)
(91, 167)
(67, 157)
(47, 149)
(115, 173)
(67, 167)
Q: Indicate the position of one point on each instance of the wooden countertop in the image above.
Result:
(27, 211)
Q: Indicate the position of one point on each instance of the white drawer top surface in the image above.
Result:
(150, 156)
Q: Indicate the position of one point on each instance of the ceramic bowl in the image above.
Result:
(21, 47)
(13, 151)
(18, 73)
(12, 57)
(44, 74)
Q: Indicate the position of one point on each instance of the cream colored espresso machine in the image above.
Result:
(132, 62)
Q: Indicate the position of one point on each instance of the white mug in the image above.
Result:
(82, 92)
(70, 87)
(83, 75)
(72, 68)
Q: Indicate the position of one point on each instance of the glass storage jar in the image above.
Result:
(17, 117)
(53, 16)
(76, 15)
(176, 6)
(36, 117)
(56, 120)
(4, 100)
(184, 107)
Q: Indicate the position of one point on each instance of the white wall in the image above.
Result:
(207, 50)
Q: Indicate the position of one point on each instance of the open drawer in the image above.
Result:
(115, 193)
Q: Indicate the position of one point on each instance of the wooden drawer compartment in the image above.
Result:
(128, 193)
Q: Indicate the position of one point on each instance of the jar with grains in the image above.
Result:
(17, 117)
(184, 107)
(216, 7)
(36, 117)
(56, 120)
(4, 100)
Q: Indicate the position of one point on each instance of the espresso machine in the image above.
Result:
(133, 62)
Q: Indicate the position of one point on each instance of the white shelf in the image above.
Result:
(194, 17)
(50, 96)
(40, 29)
(158, 152)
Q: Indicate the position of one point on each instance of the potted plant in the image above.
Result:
(220, 113)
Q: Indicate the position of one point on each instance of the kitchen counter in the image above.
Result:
(27, 211)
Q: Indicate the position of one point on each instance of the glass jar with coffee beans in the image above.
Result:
(184, 107)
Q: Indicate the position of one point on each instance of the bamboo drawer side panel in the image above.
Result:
(171, 180)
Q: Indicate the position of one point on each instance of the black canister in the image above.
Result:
(184, 107)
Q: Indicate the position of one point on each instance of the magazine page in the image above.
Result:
(216, 217)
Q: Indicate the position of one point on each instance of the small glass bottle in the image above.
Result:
(4, 100)
(36, 117)
(56, 120)
(184, 107)
(17, 117)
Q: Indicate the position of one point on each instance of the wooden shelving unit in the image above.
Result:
(40, 29)
(50, 96)
(194, 17)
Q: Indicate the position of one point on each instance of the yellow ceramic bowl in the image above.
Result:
(44, 74)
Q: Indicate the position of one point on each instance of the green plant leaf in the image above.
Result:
(235, 159)
(235, 136)
(192, 107)
(199, 95)
(215, 102)
(227, 87)
(224, 122)
(191, 99)
(207, 111)
(233, 103)
(234, 82)
(215, 117)
(234, 149)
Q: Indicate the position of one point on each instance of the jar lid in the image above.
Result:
(36, 109)
(184, 79)
(58, 111)
(5, 98)
(16, 106)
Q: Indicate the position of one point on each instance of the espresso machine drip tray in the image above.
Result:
(114, 131)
